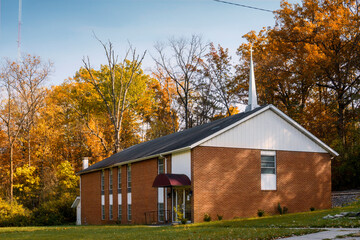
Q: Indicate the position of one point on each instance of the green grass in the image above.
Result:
(145, 232)
(298, 220)
(269, 227)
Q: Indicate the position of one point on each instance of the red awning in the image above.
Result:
(171, 180)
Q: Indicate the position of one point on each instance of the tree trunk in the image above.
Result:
(11, 174)
(186, 106)
(186, 117)
(29, 148)
(341, 124)
(117, 142)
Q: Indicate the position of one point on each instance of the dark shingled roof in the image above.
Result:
(170, 142)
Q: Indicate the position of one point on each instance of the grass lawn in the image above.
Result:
(145, 232)
(251, 228)
(298, 220)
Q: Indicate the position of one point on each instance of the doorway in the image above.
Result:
(181, 201)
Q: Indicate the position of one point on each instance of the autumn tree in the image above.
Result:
(23, 94)
(161, 117)
(204, 105)
(27, 186)
(308, 65)
(112, 85)
(59, 135)
(331, 29)
(218, 74)
(283, 77)
(179, 60)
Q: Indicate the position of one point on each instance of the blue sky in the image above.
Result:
(61, 31)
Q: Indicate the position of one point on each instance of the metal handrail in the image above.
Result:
(152, 217)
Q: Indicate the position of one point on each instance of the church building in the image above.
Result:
(231, 167)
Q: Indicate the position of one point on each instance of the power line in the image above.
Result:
(245, 6)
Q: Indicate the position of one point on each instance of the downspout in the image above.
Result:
(165, 189)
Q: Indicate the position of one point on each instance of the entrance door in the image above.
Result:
(181, 201)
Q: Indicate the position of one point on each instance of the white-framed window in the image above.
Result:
(161, 168)
(129, 178)
(102, 182)
(129, 212)
(268, 170)
(110, 181)
(119, 179)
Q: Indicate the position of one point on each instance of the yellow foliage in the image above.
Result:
(8, 210)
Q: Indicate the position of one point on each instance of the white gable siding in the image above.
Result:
(181, 163)
(265, 131)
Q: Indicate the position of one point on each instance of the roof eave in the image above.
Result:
(137, 160)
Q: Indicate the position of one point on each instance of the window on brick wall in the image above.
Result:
(161, 166)
(102, 182)
(110, 181)
(268, 170)
(161, 212)
(119, 212)
(110, 211)
(103, 212)
(129, 212)
(119, 179)
(129, 178)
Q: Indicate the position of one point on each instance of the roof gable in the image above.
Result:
(269, 129)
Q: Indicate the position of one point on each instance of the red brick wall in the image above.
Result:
(124, 193)
(90, 198)
(115, 194)
(227, 181)
(143, 195)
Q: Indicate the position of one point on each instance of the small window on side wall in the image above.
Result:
(119, 179)
(129, 178)
(102, 212)
(102, 182)
(129, 212)
(119, 212)
(110, 181)
(161, 166)
(268, 170)
(110, 211)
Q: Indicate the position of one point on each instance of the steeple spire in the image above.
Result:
(252, 102)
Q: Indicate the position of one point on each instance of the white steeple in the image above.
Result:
(252, 103)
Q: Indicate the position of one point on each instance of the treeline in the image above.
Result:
(308, 65)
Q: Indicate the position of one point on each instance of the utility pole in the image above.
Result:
(19, 31)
